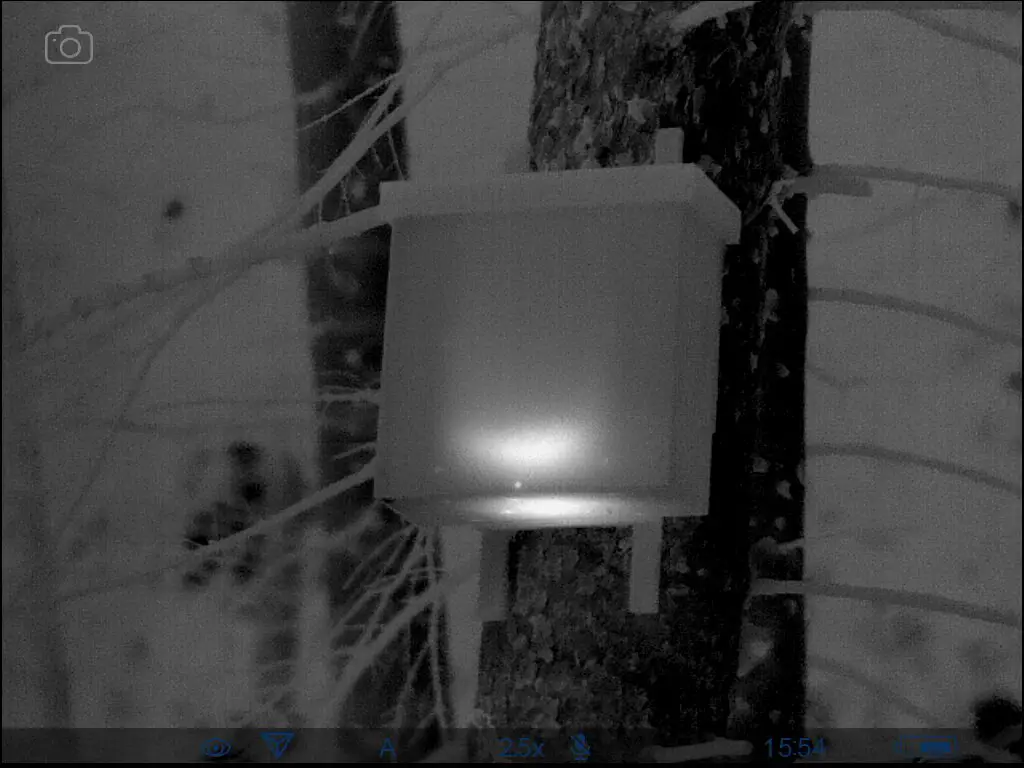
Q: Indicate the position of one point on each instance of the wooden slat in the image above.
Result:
(668, 146)
(645, 568)
(492, 602)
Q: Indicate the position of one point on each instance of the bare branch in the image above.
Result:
(955, 32)
(390, 544)
(361, 661)
(191, 559)
(931, 311)
(886, 596)
(242, 256)
(361, 448)
(68, 525)
(398, 720)
(878, 688)
(380, 124)
(350, 103)
(835, 172)
(278, 240)
(434, 633)
(369, 20)
(412, 557)
(869, 451)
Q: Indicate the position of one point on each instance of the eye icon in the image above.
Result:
(216, 747)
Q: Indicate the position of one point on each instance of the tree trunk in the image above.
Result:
(339, 50)
(608, 76)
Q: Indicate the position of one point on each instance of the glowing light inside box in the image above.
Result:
(532, 377)
(541, 508)
(532, 449)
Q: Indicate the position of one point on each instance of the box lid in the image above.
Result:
(678, 183)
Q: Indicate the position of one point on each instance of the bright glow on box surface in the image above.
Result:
(529, 448)
(551, 341)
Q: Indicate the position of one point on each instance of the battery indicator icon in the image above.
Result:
(927, 746)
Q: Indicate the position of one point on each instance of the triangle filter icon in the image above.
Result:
(278, 742)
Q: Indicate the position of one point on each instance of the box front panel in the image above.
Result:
(537, 352)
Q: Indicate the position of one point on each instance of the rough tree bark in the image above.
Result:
(608, 76)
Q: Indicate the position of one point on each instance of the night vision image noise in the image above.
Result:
(540, 382)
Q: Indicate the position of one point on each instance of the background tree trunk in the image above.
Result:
(608, 76)
(338, 51)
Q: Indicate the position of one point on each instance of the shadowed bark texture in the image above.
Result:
(338, 50)
(608, 76)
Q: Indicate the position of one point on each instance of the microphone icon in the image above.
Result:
(579, 748)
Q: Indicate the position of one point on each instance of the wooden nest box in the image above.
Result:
(551, 352)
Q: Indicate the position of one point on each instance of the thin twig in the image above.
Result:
(870, 451)
(380, 123)
(831, 380)
(67, 525)
(277, 240)
(921, 309)
(961, 34)
(877, 688)
(359, 663)
(264, 527)
(96, 339)
(886, 596)
(349, 103)
(892, 216)
(327, 396)
(403, 696)
(434, 635)
(248, 254)
(399, 580)
(396, 155)
(345, 621)
(852, 532)
(388, 545)
(369, 19)
(920, 178)
(361, 448)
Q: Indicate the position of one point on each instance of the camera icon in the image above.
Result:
(68, 44)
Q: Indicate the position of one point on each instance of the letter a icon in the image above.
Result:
(388, 747)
